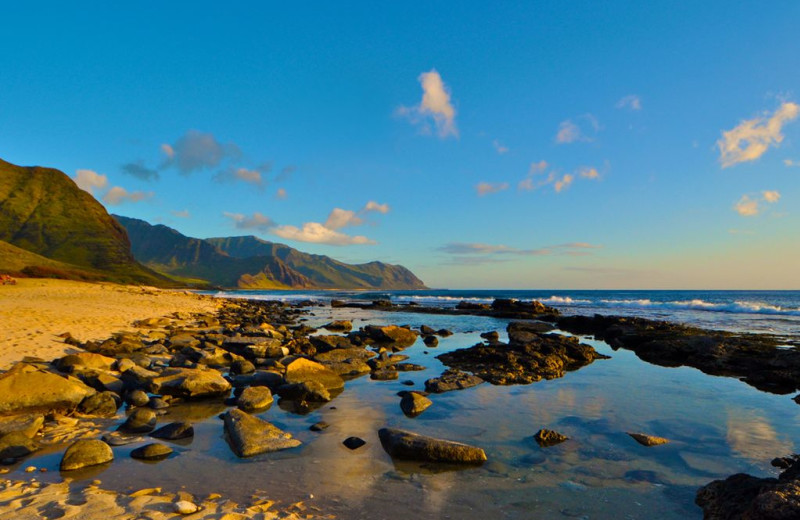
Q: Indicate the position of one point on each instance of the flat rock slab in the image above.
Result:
(405, 445)
(27, 387)
(85, 453)
(648, 440)
(28, 424)
(249, 436)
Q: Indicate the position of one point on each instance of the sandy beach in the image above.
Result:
(35, 312)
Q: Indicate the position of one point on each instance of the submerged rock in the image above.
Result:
(174, 431)
(411, 446)
(648, 440)
(85, 453)
(153, 451)
(249, 436)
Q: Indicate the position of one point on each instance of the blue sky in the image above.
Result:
(513, 144)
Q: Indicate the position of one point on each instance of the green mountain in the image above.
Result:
(42, 211)
(251, 263)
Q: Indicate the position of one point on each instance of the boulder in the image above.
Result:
(27, 387)
(242, 366)
(411, 446)
(153, 451)
(27, 424)
(346, 361)
(84, 453)
(142, 420)
(414, 403)
(431, 341)
(259, 378)
(174, 431)
(303, 370)
(254, 398)
(84, 359)
(16, 445)
(426, 331)
(102, 404)
(325, 343)
(339, 326)
(451, 380)
(190, 383)
(249, 436)
(399, 336)
(384, 374)
(312, 391)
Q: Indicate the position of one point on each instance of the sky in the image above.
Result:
(480, 144)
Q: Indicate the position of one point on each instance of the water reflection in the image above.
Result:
(752, 436)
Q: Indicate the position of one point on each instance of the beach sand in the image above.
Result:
(35, 312)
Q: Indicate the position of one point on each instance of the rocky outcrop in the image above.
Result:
(249, 436)
(528, 357)
(756, 359)
(450, 380)
(411, 446)
(744, 497)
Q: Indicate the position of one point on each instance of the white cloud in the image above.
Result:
(752, 138)
(233, 174)
(89, 180)
(181, 214)
(499, 147)
(197, 151)
(317, 233)
(257, 221)
(537, 167)
(589, 173)
(563, 183)
(750, 205)
(374, 206)
(631, 101)
(339, 218)
(486, 188)
(790, 163)
(771, 196)
(281, 193)
(435, 104)
(568, 132)
(118, 195)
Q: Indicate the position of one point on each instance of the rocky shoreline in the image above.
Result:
(252, 353)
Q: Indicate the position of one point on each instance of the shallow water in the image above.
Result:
(718, 426)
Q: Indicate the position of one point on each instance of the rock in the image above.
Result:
(345, 361)
(384, 374)
(120, 439)
(516, 306)
(540, 356)
(181, 340)
(492, 336)
(400, 336)
(153, 451)
(190, 383)
(354, 443)
(413, 403)
(124, 364)
(249, 436)
(142, 420)
(84, 359)
(242, 366)
(303, 370)
(431, 341)
(546, 438)
(27, 424)
(102, 404)
(749, 498)
(266, 378)
(451, 380)
(158, 403)
(174, 431)
(26, 388)
(16, 445)
(411, 446)
(648, 440)
(255, 398)
(319, 426)
(184, 507)
(444, 333)
(137, 377)
(339, 326)
(408, 367)
(137, 398)
(306, 391)
(85, 453)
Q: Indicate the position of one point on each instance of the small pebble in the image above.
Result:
(30, 469)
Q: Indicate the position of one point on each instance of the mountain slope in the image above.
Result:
(252, 263)
(44, 212)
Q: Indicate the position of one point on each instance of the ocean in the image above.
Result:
(773, 312)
